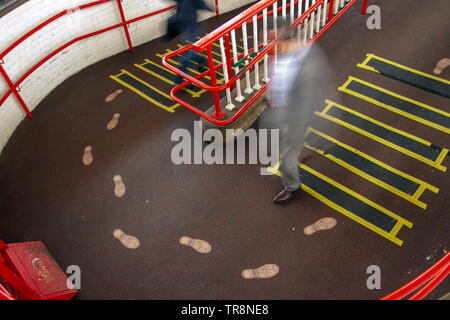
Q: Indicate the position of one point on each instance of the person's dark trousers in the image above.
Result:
(192, 56)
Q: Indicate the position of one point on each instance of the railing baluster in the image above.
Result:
(299, 27)
(230, 106)
(275, 29)
(266, 57)
(313, 15)
(257, 86)
(292, 11)
(248, 88)
(305, 23)
(336, 6)
(283, 4)
(239, 96)
(324, 12)
(319, 17)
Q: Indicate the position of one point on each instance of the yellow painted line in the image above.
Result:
(201, 54)
(198, 93)
(388, 235)
(441, 158)
(345, 89)
(213, 52)
(190, 69)
(419, 192)
(413, 199)
(364, 65)
(141, 66)
(118, 75)
(436, 164)
(179, 64)
(142, 94)
(372, 56)
(396, 229)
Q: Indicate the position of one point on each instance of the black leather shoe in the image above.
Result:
(284, 196)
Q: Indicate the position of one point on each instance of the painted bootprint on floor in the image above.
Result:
(264, 272)
(198, 245)
(87, 158)
(320, 225)
(119, 186)
(113, 95)
(114, 121)
(127, 240)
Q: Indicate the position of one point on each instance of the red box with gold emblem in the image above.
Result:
(34, 264)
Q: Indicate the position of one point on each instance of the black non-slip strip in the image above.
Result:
(347, 201)
(160, 71)
(363, 164)
(429, 152)
(411, 78)
(181, 59)
(155, 95)
(400, 104)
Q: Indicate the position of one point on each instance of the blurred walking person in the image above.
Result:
(299, 85)
(185, 22)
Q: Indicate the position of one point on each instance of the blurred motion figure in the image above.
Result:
(299, 84)
(185, 22)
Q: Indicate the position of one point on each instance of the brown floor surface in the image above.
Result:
(47, 194)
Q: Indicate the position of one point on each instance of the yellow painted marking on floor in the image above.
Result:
(396, 229)
(344, 88)
(141, 66)
(175, 63)
(142, 94)
(162, 67)
(419, 192)
(413, 199)
(203, 55)
(364, 65)
(371, 56)
(189, 69)
(388, 235)
(441, 157)
(213, 52)
(436, 164)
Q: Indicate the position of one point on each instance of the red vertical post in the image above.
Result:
(217, 8)
(364, 7)
(125, 27)
(330, 10)
(228, 56)
(16, 93)
(218, 114)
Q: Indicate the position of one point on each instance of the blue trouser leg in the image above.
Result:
(192, 55)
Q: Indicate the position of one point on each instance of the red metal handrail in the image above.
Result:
(14, 87)
(434, 276)
(206, 42)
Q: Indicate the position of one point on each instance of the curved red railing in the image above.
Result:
(430, 279)
(223, 31)
(14, 86)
